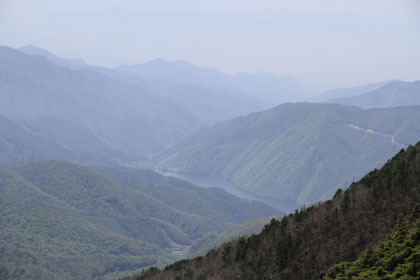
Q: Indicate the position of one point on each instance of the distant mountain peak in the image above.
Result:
(31, 49)
(166, 63)
(67, 62)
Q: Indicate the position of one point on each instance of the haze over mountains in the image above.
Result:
(131, 121)
(96, 115)
(76, 212)
(209, 140)
(132, 114)
(270, 88)
(209, 105)
(56, 108)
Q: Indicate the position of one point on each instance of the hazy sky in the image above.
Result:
(324, 43)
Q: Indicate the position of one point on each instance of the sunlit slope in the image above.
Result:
(65, 221)
(301, 152)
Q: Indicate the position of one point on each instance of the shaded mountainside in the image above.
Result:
(393, 94)
(63, 221)
(300, 152)
(306, 244)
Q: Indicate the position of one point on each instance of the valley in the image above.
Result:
(209, 140)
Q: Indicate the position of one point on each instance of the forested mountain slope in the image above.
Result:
(300, 152)
(63, 221)
(306, 244)
(398, 257)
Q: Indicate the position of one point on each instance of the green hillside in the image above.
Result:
(63, 221)
(308, 243)
(299, 152)
(398, 257)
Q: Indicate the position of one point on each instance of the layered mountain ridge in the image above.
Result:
(393, 94)
(115, 118)
(270, 88)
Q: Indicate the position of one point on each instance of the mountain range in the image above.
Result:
(95, 115)
(208, 104)
(121, 118)
(270, 88)
(76, 210)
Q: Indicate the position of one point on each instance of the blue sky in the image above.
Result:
(325, 43)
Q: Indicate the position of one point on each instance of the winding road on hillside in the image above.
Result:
(393, 139)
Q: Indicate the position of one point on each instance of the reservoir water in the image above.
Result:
(207, 182)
